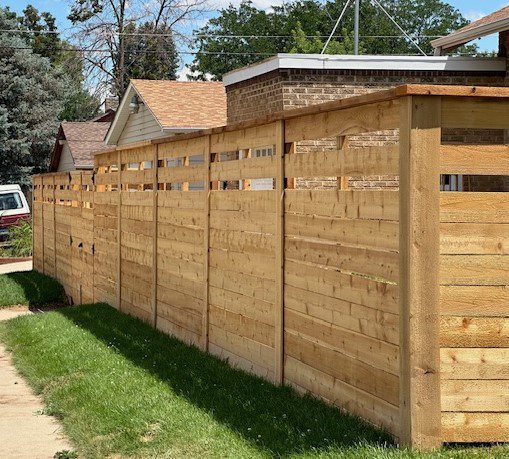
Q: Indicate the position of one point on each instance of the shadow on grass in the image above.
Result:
(30, 288)
(275, 419)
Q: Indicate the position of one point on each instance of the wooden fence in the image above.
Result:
(393, 305)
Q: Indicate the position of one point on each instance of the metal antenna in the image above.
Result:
(356, 28)
(399, 27)
(336, 25)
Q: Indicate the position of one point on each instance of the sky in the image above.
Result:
(471, 9)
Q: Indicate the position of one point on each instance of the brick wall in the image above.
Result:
(287, 89)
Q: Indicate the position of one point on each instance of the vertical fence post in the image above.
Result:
(206, 235)
(43, 242)
(54, 231)
(279, 244)
(420, 137)
(155, 186)
(119, 230)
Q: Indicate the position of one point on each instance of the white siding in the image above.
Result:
(66, 162)
(139, 127)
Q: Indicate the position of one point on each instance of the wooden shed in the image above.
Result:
(391, 304)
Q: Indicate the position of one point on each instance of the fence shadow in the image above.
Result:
(244, 403)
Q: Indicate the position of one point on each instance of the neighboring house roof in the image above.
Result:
(83, 138)
(493, 23)
(365, 62)
(177, 106)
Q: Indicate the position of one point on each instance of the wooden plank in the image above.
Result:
(193, 173)
(279, 326)
(475, 427)
(176, 148)
(344, 368)
(380, 264)
(355, 120)
(341, 394)
(355, 317)
(119, 233)
(356, 289)
(474, 270)
(184, 319)
(206, 247)
(241, 241)
(457, 207)
(241, 169)
(181, 217)
(475, 113)
(256, 136)
(375, 234)
(474, 363)
(474, 332)
(182, 199)
(474, 238)
(178, 332)
(244, 201)
(248, 263)
(371, 351)
(474, 301)
(370, 205)
(420, 137)
(155, 233)
(364, 161)
(255, 222)
(474, 159)
(475, 396)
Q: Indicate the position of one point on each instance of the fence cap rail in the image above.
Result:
(340, 104)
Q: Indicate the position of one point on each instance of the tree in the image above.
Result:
(280, 31)
(108, 26)
(78, 103)
(315, 45)
(30, 102)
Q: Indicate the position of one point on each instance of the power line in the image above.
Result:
(211, 35)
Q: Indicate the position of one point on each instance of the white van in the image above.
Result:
(13, 207)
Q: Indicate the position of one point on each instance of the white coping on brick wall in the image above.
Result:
(366, 62)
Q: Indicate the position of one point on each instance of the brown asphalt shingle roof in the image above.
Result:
(83, 139)
(184, 104)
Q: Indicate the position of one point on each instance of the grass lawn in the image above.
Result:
(122, 389)
(29, 288)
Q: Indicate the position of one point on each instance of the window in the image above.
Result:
(10, 201)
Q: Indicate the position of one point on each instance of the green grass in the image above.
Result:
(122, 389)
(29, 288)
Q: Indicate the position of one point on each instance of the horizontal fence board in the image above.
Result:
(251, 221)
(474, 363)
(240, 169)
(474, 270)
(474, 300)
(244, 201)
(341, 394)
(474, 395)
(257, 136)
(254, 264)
(187, 234)
(376, 353)
(356, 120)
(346, 287)
(371, 322)
(376, 263)
(178, 332)
(192, 173)
(364, 161)
(352, 204)
(474, 159)
(175, 148)
(181, 217)
(241, 241)
(457, 207)
(345, 368)
(474, 238)
(475, 427)
(374, 234)
(475, 113)
(474, 332)
(181, 199)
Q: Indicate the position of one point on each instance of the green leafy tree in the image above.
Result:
(30, 103)
(78, 103)
(314, 45)
(281, 32)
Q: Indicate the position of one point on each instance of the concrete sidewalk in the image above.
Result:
(14, 267)
(24, 431)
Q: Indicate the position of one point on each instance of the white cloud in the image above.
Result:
(475, 15)
(182, 74)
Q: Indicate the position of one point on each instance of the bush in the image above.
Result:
(19, 240)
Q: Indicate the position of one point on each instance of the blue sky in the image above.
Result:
(471, 9)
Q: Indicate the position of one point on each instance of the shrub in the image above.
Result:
(19, 240)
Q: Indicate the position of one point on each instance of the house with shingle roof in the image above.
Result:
(76, 141)
(151, 109)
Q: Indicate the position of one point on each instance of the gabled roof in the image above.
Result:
(83, 138)
(177, 106)
(493, 23)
